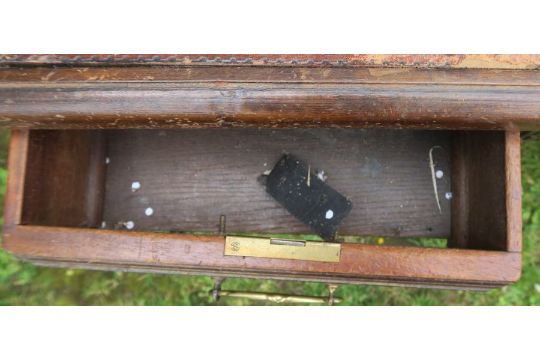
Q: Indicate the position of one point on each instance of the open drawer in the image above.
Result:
(152, 200)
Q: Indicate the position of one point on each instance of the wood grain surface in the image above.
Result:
(17, 160)
(486, 183)
(480, 202)
(514, 240)
(191, 177)
(291, 97)
(189, 252)
(63, 183)
(70, 75)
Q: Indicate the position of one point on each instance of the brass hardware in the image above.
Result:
(217, 293)
(287, 242)
(282, 248)
(331, 299)
(278, 298)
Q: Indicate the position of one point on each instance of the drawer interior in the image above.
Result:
(189, 178)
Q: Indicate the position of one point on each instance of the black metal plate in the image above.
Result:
(292, 183)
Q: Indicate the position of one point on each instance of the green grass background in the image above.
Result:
(22, 283)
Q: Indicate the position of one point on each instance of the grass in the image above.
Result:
(22, 283)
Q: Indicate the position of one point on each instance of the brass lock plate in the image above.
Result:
(282, 249)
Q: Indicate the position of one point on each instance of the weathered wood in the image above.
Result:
(223, 96)
(429, 61)
(513, 191)
(226, 273)
(460, 191)
(17, 160)
(160, 252)
(480, 203)
(182, 251)
(63, 184)
(486, 183)
(49, 75)
(191, 177)
(95, 178)
(289, 91)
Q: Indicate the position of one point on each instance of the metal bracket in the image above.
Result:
(282, 248)
(217, 293)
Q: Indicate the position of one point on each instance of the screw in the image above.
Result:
(222, 225)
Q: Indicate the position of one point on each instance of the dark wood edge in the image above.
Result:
(151, 106)
(513, 191)
(18, 150)
(164, 97)
(460, 201)
(75, 76)
(478, 286)
(206, 252)
(459, 233)
(495, 61)
(95, 192)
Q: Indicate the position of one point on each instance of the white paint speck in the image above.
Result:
(439, 174)
(129, 225)
(448, 196)
(321, 175)
(148, 211)
(135, 186)
(103, 224)
(107, 160)
(266, 172)
(329, 214)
